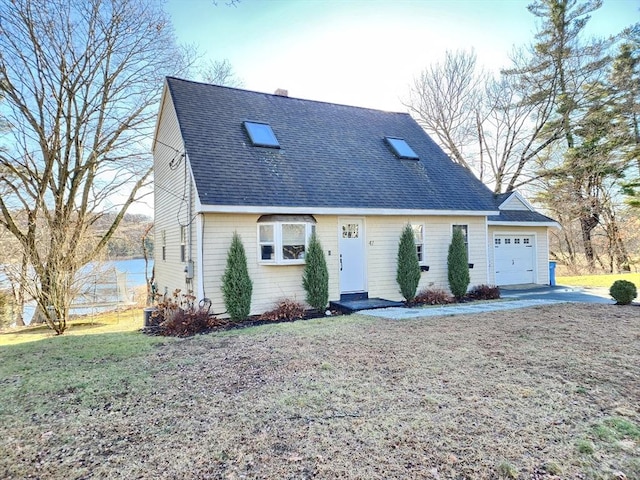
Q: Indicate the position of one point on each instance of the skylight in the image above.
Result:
(261, 134)
(401, 148)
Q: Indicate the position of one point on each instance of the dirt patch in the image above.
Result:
(545, 392)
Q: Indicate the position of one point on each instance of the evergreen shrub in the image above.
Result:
(623, 292)
(315, 278)
(236, 283)
(458, 265)
(408, 269)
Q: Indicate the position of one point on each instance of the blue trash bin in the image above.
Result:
(552, 274)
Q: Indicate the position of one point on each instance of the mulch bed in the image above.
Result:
(217, 324)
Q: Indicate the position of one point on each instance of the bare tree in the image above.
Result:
(445, 100)
(220, 72)
(487, 125)
(81, 81)
(513, 132)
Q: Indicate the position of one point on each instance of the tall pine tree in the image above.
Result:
(568, 69)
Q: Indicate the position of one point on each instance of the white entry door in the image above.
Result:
(514, 259)
(352, 264)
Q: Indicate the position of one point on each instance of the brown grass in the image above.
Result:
(531, 393)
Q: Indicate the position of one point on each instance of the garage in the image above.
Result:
(514, 259)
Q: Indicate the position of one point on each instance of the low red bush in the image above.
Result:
(433, 297)
(179, 316)
(484, 292)
(284, 310)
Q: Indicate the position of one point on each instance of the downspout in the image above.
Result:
(197, 267)
(189, 217)
(200, 241)
(489, 250)
(189, 266)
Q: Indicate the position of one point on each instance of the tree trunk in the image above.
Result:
(587, 224)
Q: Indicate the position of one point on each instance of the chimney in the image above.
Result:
(282, 92)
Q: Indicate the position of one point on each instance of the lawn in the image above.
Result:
(598, 280)
(110, 322)
(546, 392)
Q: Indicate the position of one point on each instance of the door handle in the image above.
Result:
(340, 262)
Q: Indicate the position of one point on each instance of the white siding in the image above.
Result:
(171, 202)
(274, 282)
(514, 203)
(270, 282)
(541, 275)
(383, 237)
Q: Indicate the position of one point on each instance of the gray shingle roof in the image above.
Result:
(520, 216)
(331, 156)
(516, 216)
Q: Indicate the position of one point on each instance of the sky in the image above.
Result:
(361, 52)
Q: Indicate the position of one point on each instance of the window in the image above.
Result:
(465, 234)
(401, 148)
(516, 240)
(418, 235)
(183, 243)
(283, 239)
(266, 239)
(294, 239)
(164, 244)
(350, 230)
(525, 241)
(497, 241)
(261, 134)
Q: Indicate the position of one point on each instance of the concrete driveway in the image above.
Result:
(561, 293)
(516, 297)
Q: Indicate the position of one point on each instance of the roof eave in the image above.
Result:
(265, 209)
(506, 223)
(163, 97)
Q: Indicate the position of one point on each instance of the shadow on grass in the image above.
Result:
(44, 329)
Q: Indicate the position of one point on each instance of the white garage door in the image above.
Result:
(514, 259)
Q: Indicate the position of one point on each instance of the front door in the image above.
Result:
(352, 277)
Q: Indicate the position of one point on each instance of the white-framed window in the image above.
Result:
(418, 236)
(164, 244)
(284, 239)
(465, 234)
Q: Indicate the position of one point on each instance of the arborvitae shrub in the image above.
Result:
(623, 292)
(315, 278)
(236, 283)
(408, 272)
(458, 265)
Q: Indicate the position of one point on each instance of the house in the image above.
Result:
(274, 169)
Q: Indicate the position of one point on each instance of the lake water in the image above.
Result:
(134, 269)
(103, 290)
